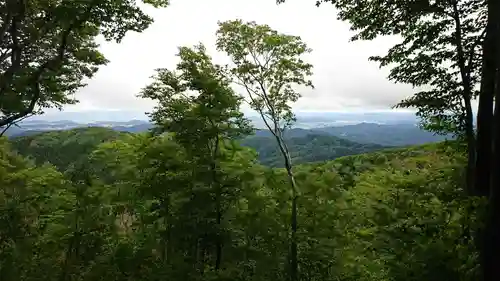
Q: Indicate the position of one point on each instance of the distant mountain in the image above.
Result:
(388, 135)
(306, 148)
(32, 127)
(292, 133)
(89, 116)
(134, 128)
(382, 134)
(70, 147)
(305, 119)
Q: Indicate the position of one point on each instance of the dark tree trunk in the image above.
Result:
(218, 204)
(294, 265)
(467, 96)
(490, 252)
(491, 240)
(293, 223)
(485, 113)
(218, 253)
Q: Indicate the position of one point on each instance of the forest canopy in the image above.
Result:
(199, 197)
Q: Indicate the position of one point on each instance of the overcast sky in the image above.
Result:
(344, 79)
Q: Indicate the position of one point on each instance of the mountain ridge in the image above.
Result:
(365, 132)
(65, 148)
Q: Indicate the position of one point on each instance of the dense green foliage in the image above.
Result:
(66, 148)
(63, 149)
(382, 216)
(187, 201)
(48, 48)
(309, 148)
(437, 52)
(270, 66)
(450, 52)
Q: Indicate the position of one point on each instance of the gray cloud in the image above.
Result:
(343, 76)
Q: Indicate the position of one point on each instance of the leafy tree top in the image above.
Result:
(196, 101)
(269, 65)
(48, 48)
(439, 52)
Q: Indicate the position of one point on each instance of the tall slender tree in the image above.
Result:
(268, 65)
(489, 134)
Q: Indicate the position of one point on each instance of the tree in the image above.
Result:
(268, 64)
(197, 105)
(489, 136)
(465, 26)
(398, 214)
(48, 48)
(32, 199)
(439, 53)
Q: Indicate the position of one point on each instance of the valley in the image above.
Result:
(65, 138)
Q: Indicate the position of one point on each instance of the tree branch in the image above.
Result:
(14, 124)
(259, 109)
(268, 102)
(16, 50)
(6, 21)
(51, 64)
(476, 43)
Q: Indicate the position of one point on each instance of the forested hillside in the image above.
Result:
(367, 133)
(360, 215)
(201, 197)
(308, 148)
(69, 147)
(63, 148)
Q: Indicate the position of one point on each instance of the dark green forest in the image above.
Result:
(308, 148)
(69, 147)
(201, 197)
(390, 215)
(63, 149)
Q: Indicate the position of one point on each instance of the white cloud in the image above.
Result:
(344, 78)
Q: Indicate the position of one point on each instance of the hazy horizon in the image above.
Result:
(374, 116)
(344, 79)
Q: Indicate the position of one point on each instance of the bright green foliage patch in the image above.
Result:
(397, 214)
